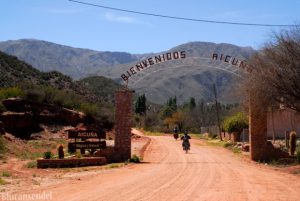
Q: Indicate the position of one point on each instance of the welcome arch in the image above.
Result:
(259, 149)
(179, 59)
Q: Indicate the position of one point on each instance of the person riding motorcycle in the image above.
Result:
(185, 141)
(175, 135)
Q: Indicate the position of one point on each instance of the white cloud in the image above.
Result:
(65, 11)
(122, 19)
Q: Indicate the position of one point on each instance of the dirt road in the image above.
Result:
(206, 173)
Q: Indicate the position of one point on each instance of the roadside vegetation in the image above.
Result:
(3, 147)
(190, 116)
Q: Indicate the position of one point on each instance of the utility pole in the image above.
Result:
(217, 110)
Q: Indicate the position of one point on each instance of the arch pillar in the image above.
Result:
(257, 130)
(123, 123)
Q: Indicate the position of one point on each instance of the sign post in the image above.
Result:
(86, 136)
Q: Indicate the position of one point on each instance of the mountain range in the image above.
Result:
(192, 77)
(14, 72)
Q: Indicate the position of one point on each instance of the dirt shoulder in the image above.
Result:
(19, 177)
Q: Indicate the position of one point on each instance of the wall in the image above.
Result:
(284, 120)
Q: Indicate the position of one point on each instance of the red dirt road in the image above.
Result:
(206, 173)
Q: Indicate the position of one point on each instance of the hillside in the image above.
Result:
(15, 72)
(186, 79)
(158, 83)
(102, 86)
(74, 62)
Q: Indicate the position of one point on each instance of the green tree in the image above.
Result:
(140, 105)
(192, 103)
(170, 107)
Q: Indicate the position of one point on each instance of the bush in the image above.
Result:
(34, 95)
(31, 164)
(6, 174)
(135, 159)
(228, 144)
(235, 123)
(2, 182)
(212, 135)
(11, 92)
(2, 146)
(48, 155)
(89, 109)
(78, 154)
(298, 154)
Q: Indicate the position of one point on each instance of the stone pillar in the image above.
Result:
(258, 129)
(123, 123)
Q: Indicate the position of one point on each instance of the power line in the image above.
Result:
(182, 18)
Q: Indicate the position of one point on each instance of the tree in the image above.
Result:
(177, 119)
(192, 103)
(140, 105)
(170, 107)
(235, 123)
(276, 70)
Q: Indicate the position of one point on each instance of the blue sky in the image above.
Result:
(67, 23)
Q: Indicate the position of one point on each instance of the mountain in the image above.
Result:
(190, 77)
(102, 86)
(14, 72)
(74, 62)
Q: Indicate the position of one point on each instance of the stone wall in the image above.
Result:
(123, 119)
(258, 129)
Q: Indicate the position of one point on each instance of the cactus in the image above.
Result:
(293, 139)
(60, 150)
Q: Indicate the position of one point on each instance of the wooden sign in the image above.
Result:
(87, 145)
(85, 134)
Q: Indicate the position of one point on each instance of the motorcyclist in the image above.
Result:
(185, 141)
(175, 135)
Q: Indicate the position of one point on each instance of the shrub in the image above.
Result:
(89, 109)
(228, 144)
(11, 92)
(235, 123)
(34, 95)
(31, 164)
(212, 135)
(6, 174)
(135, 159)
(114, 165)
(298, 154)
(48, 155)
(2, 182)
(78, 154)
(2, 146)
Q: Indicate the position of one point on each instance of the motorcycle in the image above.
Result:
(176, 136)
(186, 146)
(185, 142)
